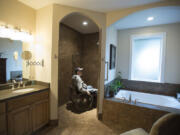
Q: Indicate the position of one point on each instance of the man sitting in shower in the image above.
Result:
(79, 84)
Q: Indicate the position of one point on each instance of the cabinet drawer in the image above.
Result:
(2, 108)
(26, 100)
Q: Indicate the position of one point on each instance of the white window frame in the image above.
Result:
(162, 55)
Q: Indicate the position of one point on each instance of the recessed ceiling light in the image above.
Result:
(85, 23)
(150, 18)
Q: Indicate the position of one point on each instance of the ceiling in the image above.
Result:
(75, 21)
(96, 5)
(162, 15)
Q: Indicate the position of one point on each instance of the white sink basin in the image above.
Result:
(23, 90)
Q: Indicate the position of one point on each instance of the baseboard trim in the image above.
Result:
(53, 122)
(99, 116)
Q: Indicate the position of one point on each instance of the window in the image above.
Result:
(147, 58)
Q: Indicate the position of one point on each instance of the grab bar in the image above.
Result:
(107, 69)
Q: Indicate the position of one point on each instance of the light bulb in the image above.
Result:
(150, 18)
(85, 23)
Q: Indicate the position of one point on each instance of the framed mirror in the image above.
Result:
(12, 60)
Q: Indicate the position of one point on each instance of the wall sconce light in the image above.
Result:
(15, 34)
(15, 55)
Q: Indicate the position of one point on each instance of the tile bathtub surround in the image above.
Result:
(150, 87)
(123, 117)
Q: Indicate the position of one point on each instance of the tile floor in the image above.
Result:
(85, 123)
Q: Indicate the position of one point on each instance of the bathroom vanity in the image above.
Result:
(24, 104)
(24, 111)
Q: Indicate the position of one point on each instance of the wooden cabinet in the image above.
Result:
(27, 114)
(2, 108)
(20, 121)
(27, 100)
(3, 123)
(40, 114)
(2, 70)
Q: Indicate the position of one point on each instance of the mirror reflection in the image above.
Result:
(11, 62)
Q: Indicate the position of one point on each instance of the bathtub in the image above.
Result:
(151, 99)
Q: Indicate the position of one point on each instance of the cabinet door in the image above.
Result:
(20, 121)
(2, 124)
(40, 114)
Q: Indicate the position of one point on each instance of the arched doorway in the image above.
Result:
(152, 22)
(78, 47)
(153, 31)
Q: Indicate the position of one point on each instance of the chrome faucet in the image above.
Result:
(135, 101)
(19, 84)
(14, 81)
(123, 99)
(130, 98)
(13, 84)
(24, 84)
(12, 87)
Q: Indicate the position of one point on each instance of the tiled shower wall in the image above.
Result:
(91, 59)
(77, 49)
(70, 45)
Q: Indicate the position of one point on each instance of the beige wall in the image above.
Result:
(172, 55)
(17, 14)
(43, 43)
(111, 38)
(43, 50)
(114, 16)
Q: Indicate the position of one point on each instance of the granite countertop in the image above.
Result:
(9, 93)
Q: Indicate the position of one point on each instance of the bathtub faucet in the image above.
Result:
(130, 98)
(123, 99)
